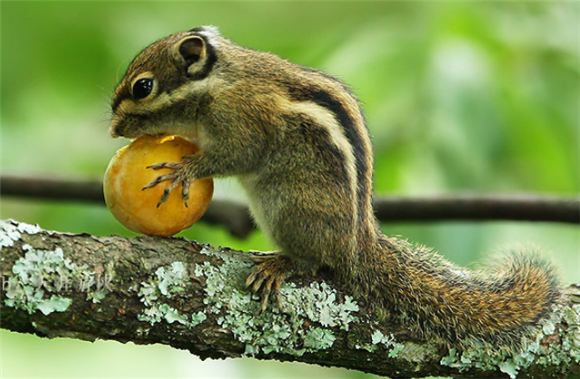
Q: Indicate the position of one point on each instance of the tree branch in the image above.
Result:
(191, 296)
(487, 207)
(236, 218)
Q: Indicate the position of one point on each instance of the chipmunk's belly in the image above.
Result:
(263, 203)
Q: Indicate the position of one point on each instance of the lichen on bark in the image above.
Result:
(192, 296)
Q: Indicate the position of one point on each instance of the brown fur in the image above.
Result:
(297, 141)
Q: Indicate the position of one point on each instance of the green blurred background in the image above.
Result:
(460, 96)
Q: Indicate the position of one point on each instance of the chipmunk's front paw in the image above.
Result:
(267, 277)
(179, 176)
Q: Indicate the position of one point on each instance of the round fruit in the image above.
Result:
(136, 208)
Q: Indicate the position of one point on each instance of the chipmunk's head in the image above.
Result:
(156, 93)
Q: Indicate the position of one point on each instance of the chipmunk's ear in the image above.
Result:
(195, 55)
(191, 49)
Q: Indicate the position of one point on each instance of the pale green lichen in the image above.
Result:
(303, 326)
(569, 350)
(28, 228)
(416, 352)
(378, 338)
(509, 367)
(319, 338)
(167, 282)
(485, 356)
(10, 231)
(42, 271)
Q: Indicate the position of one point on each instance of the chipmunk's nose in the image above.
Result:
(113, 129)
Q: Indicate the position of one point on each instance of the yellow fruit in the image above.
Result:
(136, 208)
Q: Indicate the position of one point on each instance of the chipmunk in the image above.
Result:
(297, 140)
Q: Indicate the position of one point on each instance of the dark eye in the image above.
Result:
(142, 88)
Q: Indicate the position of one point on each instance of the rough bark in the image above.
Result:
(191, 296)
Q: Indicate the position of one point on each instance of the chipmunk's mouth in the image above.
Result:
(116, 129)
(135, 125)
(127, 126)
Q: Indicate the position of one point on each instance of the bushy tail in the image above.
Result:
(499, 304)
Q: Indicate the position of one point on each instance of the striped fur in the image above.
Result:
(297, 141)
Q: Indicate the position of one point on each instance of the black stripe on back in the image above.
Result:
(326, 100)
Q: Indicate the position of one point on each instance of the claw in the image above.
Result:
(267, 277)
(151, 184)
(250, 279)
(266, 295)
(185, 192)
(175, 178)
(158, 180)
(278, 294)
(257, 283)
(159, 166)
(166, 192)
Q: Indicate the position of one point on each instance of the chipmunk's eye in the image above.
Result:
(142, 88)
